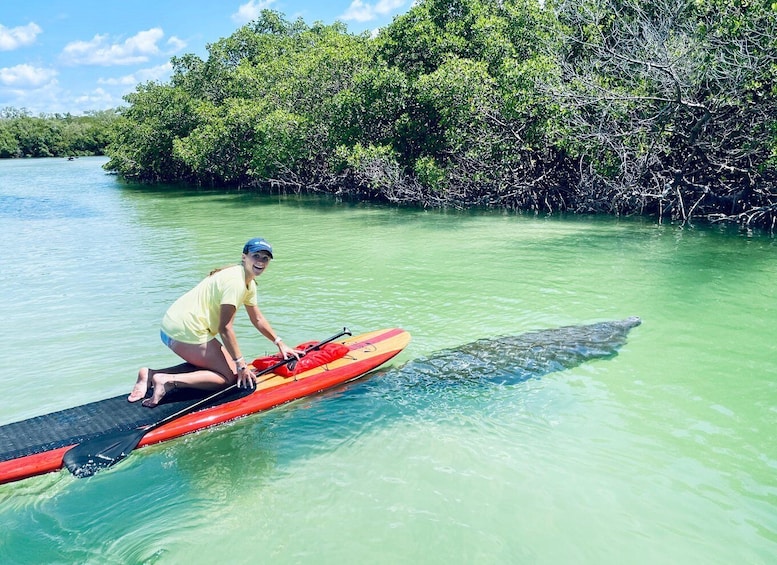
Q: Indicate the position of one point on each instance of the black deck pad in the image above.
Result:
(85, 422)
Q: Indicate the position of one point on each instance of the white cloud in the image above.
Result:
(26, 76)
(175, 44)
(250, 11)
(362, 12)
(98, 98)
(51, 97)
(157, 73)
(28, 87)
(13, 38)
(98, 51)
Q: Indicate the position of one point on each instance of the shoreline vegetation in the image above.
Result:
(666, 109)
(54, 135)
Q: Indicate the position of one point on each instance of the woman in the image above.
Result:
(191, 324)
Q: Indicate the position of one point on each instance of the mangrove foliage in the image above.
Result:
(664, 108)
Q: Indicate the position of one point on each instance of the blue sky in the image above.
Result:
(73, 56)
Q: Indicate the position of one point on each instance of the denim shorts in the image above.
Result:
(166, 339)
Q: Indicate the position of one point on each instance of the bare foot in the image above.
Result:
(141, 386)
(161, 387)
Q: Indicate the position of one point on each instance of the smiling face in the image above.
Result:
(255, 263)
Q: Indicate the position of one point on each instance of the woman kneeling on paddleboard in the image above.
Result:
(190, 326)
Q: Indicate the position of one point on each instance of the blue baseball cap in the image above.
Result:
(257, 244)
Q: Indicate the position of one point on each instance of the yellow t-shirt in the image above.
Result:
(194, 317)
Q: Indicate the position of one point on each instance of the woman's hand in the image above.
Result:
(287, 351)
(245, 377)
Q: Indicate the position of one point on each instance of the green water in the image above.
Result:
(666, 453)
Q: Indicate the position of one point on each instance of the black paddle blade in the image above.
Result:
(85, 459)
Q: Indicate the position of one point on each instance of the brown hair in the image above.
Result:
(214, 271)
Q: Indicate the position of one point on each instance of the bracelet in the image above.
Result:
(238, 360)
(243, 368)
(277, 340)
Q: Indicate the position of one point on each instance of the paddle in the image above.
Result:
(88, 457)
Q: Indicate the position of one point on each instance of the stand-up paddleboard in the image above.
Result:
(37, 445)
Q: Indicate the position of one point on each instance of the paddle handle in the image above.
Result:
(193, 407)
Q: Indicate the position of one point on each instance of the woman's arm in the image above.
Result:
(227, 332)
(229, 341)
